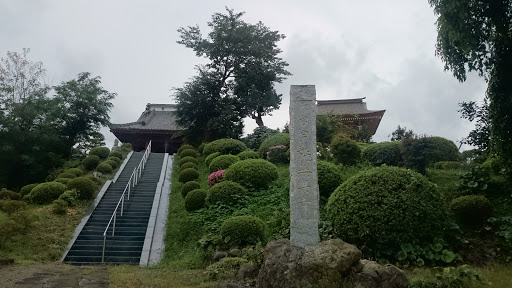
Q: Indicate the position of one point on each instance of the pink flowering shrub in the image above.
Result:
(215, 177)
(277, 154)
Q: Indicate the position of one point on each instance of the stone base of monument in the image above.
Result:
(331, 263)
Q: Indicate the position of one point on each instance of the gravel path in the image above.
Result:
(53, 275)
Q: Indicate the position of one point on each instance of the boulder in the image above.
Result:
(374, 275)
(323, 265)
(219, 255)
(235, 253)
(247, 271)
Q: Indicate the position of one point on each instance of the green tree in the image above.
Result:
(477, 36)
(82, 107)
(206, 115)
(401, 133)
(243, 63)
(479, 137)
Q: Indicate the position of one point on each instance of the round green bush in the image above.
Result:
(94, 179)
(104, 168)
(112, 164)
(85, 187)
(201, 148)
(419, 153)
(115, 159)
(274, 140)
(185, 147)
(248, 154)
(383, 153)
(329, 177)
(59, 207)
(66, 175)
(12, 206)
(225, 146)
(116, 154)
(195, 200)
(243, 230)
(208, 160)
(493, 165)
(222, 162)
(225, 192)
(76, 171)
(188, 174)
(188, 152)
(9, 195)
(90, 162)
(45, 193)
(256, 173)
(384, 207)
(188, 159)
(70, 196)
(64, 181)
(471, 209)
(189, 186)
(25, 190)
(345, 151)
(189, 165)
(441, 149)
(101, 152)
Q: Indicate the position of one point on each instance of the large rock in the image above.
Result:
(323, 265)
(374, 275)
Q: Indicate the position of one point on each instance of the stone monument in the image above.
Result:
(304, 195)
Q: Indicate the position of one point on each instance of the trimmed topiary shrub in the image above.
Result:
(195, 200)
(471, 210)
(115, 159)
(94, 179)
(189, 186)
(59, 207)
(383, 153)
(248, 154)
(188, 174)
(256, 173)
(419, 153)
(201, 148)
(70, 196)
(278, 154)
(9, 195)
(64, 181)
(116, 154)
(101, 152)
(25, 190)
(384, 207)
(208, 160)
(12, 206)
(188, 152)
(85, 187)
(189, 165)
(185, 147)
(277, 139)
(225, 146)
(45, 193)
(66, 175)
(216, 177)
(494, 165)
(188, 159)
(259, 134)
(222, 162)
(90, 162)
(104, 168)
(76, 171)
(345, 151)
(112, 164)
(329, 177)
(243, 230)
(226, 192)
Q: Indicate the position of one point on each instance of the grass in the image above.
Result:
(132, 276)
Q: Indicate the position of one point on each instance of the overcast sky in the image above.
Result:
(381, 50)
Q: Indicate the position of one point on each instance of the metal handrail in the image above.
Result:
(134, 179)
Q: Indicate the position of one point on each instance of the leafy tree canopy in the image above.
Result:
(401, 133)
(243, 66)
(477, 36)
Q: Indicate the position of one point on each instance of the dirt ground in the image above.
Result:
(53, 275)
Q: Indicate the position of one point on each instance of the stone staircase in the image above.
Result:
(130, 230)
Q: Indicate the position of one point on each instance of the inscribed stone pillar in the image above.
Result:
(304, 196)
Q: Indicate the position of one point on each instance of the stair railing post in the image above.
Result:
(103, 253)
(129, 186)
(114, 225)
(122, 205)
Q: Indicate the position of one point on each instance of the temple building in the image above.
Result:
(353, 112)
(158, 124)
